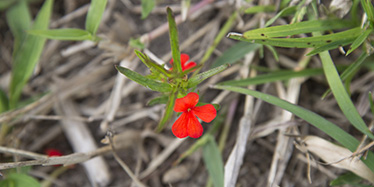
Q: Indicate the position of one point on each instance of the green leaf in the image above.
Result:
(260, 8)
(147, 7)
(174, 42)
(347, 178)
(94, 14)
(199, 143)
(342, 96)
(153, 67)
(4, 102)
(297, 28)
(28, 54)
(213, 161)
(19, 180)
(158, 100)
(63, 34)
(359, 40)
(144, 81)
(4, 4)
(318, 121)
(341, 38)
(273, 51)
(272, 77)
(168, 111)
(234, 53)
(285, 12)
(19, 20)
(330, 46)
(369, 10)
(136, 43)
(197, 79)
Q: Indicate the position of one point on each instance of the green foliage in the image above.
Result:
(234, 53)
(314, 119)
(147, 7)
(359, 40)
(95, 12)
(174, 42)
(28, 54)
(197, 79)
(348, 179)
(285, 12)
(19, 20)
(136, 43)
(273, 76)
(63, 34)
(4, 102)
(19, 180)
(213, 161)
(144, 81)
(260, 8)
(168, 111)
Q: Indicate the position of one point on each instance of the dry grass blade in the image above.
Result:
(337, 156)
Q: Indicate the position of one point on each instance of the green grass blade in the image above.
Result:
(19, 20)
(174, 42)
(286, 11)
(18, 180)
(4, 4)
(28, 54)
(147, 7)
(260, 8)
(63, 34)
(234, 53)
(94, 14)
(197, 79)
(351, 70)
(144, 81)
(342, 96)
(213, 161)
(359, 40)
(332, 45)
(369, 10)
(168, 111)
(4, 102)
(338, 38)
(318, 121)
(297, 28)
(274, 76)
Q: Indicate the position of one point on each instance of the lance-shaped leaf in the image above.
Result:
(4, 102)
(359, 40)
(341, 38)
(153, 67)
(144, 81)
(197, 79)
(158, 100)
(174, 42)
(213, 161)
(94, 14)
(168, 111)
(297, 28)
(28, 55)
(63, 34)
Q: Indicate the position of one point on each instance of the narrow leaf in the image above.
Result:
(147, 7)
(168, 111)
(63, 34)
(197, 79)
(144, 81)
(297, 28)
(347, 178)
(174, 42)
(260, 8)
(158, 100)
(359, 40)
(286, 11)
(234, 53)
(213, 161)
(332, 45)
(94, 14)
(341, 38)
(341, 95)
(4, 102)
(318, 121)
(18, 180)
(274, 76)
(28, 54)
(153, 67)
(19, 20)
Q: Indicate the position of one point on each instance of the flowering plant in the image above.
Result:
(176, 87)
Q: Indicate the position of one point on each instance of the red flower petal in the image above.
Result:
(206, 112)
(53, 152)
(184, 58)
(179, 127)
(186, 102)
(188, 66)
(194, 128)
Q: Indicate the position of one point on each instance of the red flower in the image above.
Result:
(184, 62)
(187, 124)
(53, 152)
